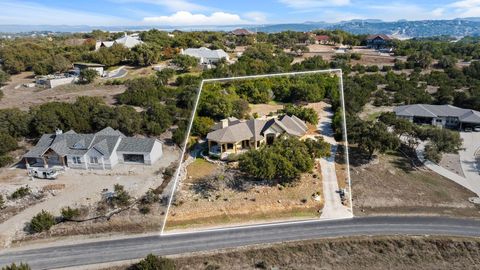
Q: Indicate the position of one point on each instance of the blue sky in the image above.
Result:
(225, 12)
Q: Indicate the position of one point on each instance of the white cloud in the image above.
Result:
(256, 16)
(171, 5)
(18, 12)
(465, 4)
(305, 4)
(181, 18)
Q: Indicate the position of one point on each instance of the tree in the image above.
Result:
(164, 75)
(152, 262)
(185, 62)
(43, 221)
(432, 153)
(447, 61)
(4, 77)
(145, 55)
(13, 266)
(283, 161)
(7, 143)
(202, 125)
(88, 75)
(307, 114)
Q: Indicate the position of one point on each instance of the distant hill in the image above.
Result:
(427, 28)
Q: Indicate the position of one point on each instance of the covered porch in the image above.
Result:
(223, 149)
(49, 159)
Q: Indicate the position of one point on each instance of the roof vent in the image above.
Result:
(58, 131)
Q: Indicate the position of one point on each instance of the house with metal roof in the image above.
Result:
(101, 150)
(205, 55)
(439, 115)
(129, 41)
(232, 136)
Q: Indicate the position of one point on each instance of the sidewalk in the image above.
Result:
(468, 183)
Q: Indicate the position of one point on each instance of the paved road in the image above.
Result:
(138, 247)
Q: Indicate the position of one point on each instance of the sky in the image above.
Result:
(225, 12)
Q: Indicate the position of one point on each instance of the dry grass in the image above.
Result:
(372, 253)
(232, 203)
(391, 185)
(24, 98)
(264, 109)
(200, 168)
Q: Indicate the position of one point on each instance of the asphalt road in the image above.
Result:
(138, 247)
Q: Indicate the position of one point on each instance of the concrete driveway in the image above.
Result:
(469, 160)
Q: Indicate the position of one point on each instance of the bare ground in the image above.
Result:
(372, 253)
(391, 185)
(16, 96)
(233, 200)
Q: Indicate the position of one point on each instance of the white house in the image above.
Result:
(205, 55)
(128, 41)
(101, 150)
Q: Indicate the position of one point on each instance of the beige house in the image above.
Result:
(232, 136)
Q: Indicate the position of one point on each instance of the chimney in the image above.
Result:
(58, 131)
(224, 123)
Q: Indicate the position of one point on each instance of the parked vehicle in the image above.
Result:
(468, 129)
(476, 129)
(43, 173)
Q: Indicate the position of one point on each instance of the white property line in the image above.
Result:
(199, 92)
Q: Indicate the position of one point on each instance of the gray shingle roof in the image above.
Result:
(104, 141)
(427, 110)
(254, 129)
(136, 145)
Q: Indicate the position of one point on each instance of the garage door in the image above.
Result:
(133, 158)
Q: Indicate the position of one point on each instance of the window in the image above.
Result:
(93, 160)
(229, 145)
(76, 160)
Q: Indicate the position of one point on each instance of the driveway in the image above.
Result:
(468, 159)
(333, 206)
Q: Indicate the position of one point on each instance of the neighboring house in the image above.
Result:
(378, 41)
(101, 150)
(99, 68)
(205, 55)
(323, 39)
(242, 32)
(439, 115)
(231, 136)
(128, 41)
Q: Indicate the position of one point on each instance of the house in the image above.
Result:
(205, 55)
(323, 39)
(380, 41)
(242, 32)
(129, 41)
(99, 68)
(439, 115)
(101, 150)
(231, 135)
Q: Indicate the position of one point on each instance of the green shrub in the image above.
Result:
(13, 266)
(2, 201)
(43, 221)
(69, 213)
(152, 262)
(121, 198)
(21, 192)
(6, 160)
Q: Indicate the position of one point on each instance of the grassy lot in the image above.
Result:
(392, 185)
(372, 253)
